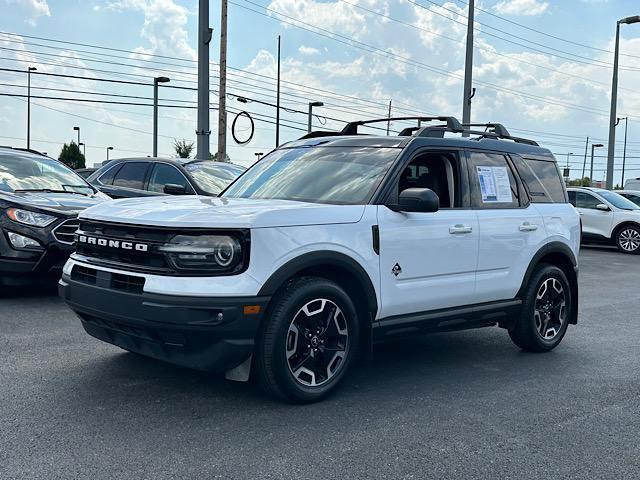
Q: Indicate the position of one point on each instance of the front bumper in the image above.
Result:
(211, 334)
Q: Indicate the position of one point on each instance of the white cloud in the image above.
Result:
(33, 8)
(521, 7)
(336, 16)
(304, 50)
(164, 26)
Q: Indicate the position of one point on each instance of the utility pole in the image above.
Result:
(614, 101)
(156, 81)
(204, 38)
(29, 70)
(584, 164)
(389, 118)
(222, 90)
(278, 100)
(624, 153)
(468, 68)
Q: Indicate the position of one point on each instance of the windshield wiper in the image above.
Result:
(49, 190)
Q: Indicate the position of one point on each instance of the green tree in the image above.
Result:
(183, 148)
(71, 156)
(214, 157)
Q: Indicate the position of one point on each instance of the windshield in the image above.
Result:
(338, 175)
(32, 173)
(213, 177)
(618, 200)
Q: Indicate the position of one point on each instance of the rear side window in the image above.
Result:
(131, 175)
(542, 179)
(108, 176)
(493, 184)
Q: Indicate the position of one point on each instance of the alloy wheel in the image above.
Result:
(317, 342)
(629, 240)
(550, 308)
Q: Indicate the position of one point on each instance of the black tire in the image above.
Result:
(272, 366)
(526, 332)
(628, 239)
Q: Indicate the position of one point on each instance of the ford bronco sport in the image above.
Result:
(329, 244)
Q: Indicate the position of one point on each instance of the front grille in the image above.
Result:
(150, 260)
(113, 281)
(65, 232)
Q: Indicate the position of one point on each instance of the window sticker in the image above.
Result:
(494, 185)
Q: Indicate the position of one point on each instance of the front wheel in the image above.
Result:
(546, 310)
(308, 341)
(628, 239)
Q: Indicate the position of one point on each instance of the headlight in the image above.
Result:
(200, 253)
(20, 241)
(27, 217)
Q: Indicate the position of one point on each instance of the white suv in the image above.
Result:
(329, 244)
(607, 217)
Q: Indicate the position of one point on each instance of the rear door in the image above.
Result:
(511, 228)
(595, 223)
(428, 260)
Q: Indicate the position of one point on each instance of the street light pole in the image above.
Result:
(108, 148)
(624, 153)
(614, 101)
(156, 81)
(29, 70)
(204, 38)
(77, 129)
(258, 156)
(593, 147)
(222, 89)
(84, 149)
(311, 105)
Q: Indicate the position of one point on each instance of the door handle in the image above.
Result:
(528, 227)
(460, 229)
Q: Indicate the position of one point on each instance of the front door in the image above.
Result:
(595, 223)
(428, 260)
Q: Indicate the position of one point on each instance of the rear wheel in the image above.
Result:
(628, 239)
(308, 341)
(546, 310)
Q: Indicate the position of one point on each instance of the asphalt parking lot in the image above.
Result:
(459, 405)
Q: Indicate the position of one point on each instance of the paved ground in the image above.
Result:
(460, 405)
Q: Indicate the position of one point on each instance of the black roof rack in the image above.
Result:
(492, 130)
(351, 128)
(496, 128)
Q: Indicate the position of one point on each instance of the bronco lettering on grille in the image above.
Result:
(103, 242)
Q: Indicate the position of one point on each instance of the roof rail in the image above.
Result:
(29, 150)
(319, 133)
(351, 128)
(499, 132)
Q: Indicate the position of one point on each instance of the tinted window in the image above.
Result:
(107, 177)
(543, 180)
(131, 175)
(572, 197)
(634, 198)
(586, 200)
(493, 184)
(618, 200)
(164, 174)
(338, 175)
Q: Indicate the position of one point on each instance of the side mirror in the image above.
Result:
(418, 200)
(603, 207)
(175, 189)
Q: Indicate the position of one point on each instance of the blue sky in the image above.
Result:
(409, 52)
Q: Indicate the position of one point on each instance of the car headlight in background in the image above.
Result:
(20, 241)
(200, 253)
(27, 217)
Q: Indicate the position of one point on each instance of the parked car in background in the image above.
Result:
(633, 195)
(608, 218)
(40, 199)
(632, 184)
(146, 177)
(85, 172)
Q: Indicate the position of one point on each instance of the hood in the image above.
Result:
(213, 212)
(66, 203)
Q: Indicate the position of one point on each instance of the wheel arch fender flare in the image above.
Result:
(621, 225)
(556, 249)
(324, 258)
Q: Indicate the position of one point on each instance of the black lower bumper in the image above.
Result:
(211, 334)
